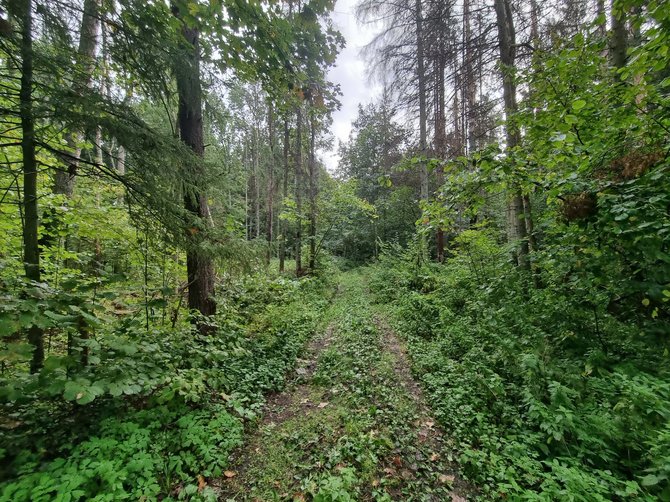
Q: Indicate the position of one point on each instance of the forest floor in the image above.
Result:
(350, 425)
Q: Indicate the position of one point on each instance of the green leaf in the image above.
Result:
(578, 104)
(571, 119)
(650, 480)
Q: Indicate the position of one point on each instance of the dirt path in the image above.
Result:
(351, 425)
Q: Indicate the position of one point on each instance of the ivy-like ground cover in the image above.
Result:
(157, 416)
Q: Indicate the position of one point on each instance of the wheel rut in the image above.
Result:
(351, 424)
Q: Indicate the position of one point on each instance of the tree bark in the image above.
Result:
(257, 184)
(271, 184)
(506, 39)
(199, 266)
(282, 224)
(600, 12)
(421, 77)
(31, 250)
(440, 139)
(298, 192)
(88, 43)
(313, 181)
(470, 82)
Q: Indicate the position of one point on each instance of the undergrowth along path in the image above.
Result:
(351, 424)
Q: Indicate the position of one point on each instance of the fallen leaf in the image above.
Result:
(397, 461)
(322, 405)
(444, 478)
(301, 371)
(434, 457)
(375, 483)
(390, 471)
(298, 497)
(405, 474)
(429, 424)
(230, 474)
(201, 483)
(457, 498)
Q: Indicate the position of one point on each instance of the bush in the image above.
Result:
(542, 402)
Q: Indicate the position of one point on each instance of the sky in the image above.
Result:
(349, 72)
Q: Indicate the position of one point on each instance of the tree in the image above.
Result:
(31, 250)
(88, 43)
(200, 267)
(507, 47)
(298, 168)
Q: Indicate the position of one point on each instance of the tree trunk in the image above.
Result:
(470, 83)
(600, 12)
(619, 41)
(298, 193)
(31, 250)
(199, 266)
(532, 241)
(440, 139)
(313, 180)
(506, 39)
(421, 76)
(257, 185)
(283, 225)
(88, 43)
(271, 184)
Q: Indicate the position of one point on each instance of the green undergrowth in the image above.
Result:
(351, 430)
(544, 399)
(156, 412)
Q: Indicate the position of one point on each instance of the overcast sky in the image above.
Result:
(349, 72)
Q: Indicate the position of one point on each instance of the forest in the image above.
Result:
(471, 302)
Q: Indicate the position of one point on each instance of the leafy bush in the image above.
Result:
(544, 400)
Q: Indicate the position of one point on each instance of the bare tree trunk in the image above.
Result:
(31, 250)
(313, 175)
(271, 184)
(534, 23)
(421, 75)
(506, 40)
(600, 12)
(440, 140)
(247, 216)
(470, 83)
(88, 42)
(298, 192)
(121, 161)
(199, 266)
(257, 186)
(283, 230)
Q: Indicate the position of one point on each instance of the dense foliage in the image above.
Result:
(546, 398)
(510, 189)
(553, 377)
(154, 411)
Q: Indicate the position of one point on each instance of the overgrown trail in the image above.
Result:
(351, 425)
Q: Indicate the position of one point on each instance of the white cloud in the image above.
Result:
(349, 72)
